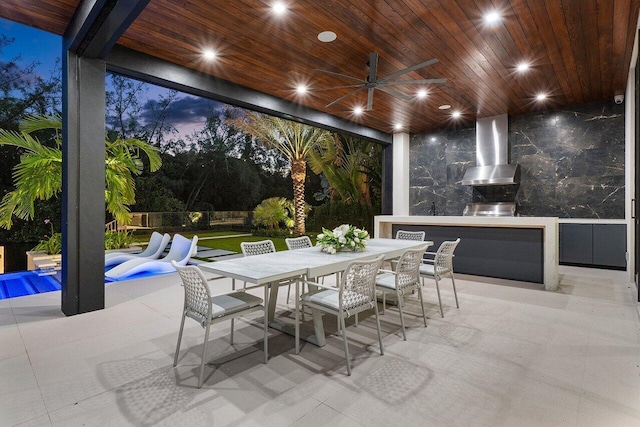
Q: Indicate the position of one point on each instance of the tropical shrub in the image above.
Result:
(271, 213)
(350, 170)
(52, 245)
(117, 239)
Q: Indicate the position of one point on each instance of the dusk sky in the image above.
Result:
(188, 113)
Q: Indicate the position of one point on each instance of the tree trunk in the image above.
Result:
(298, 175)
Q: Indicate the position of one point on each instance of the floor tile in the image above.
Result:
(21, 397)
(512, 354)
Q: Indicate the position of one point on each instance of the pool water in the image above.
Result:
(23, 283)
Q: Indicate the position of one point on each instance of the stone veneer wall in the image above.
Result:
(572, 164)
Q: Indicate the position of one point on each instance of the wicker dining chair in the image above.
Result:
(207, 309)
(406, 235)
(301, 242)
(410, 235)
(441, 266)
(257, 248)
(355, 294)
(403, 280)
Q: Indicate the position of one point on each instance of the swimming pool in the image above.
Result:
(23, 283)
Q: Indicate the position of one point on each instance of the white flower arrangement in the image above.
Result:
(343, 237)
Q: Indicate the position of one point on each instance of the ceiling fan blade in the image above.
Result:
(395, 93)
(373, 67)
(370, 99)
(345, 97)
(412, 68)
(335, 87)
(344, 76)
(413, 82)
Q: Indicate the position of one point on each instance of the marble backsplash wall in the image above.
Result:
(571, 160)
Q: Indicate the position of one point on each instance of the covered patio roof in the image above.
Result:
(578, 51)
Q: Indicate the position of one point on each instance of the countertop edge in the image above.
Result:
(504, 221)
(591, 221)
(470, 220)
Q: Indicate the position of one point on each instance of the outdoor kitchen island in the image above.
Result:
(515, 248)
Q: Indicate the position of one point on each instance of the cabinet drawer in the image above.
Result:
(610, 245)
(597, 245)
(576, 243)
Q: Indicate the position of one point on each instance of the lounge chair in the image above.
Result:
(157, 244)
(180, 252)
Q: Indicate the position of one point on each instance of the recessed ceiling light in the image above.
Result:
(492, 17)
(444, 107)
(358, 110)
(422, 93)
(541, 97)
(456, 114)
(433, 139)
(398, 126)
(522, 67)
(327, 36)
(279, 8)
(301, 89)
(209, 54)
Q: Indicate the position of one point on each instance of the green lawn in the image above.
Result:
(233, 243)
(143, 235)
(229, 244)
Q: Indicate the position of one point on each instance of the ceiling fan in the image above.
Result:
(372, 82)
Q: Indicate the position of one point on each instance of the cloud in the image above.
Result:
(182, 111)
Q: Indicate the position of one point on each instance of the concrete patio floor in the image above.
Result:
(512, 354)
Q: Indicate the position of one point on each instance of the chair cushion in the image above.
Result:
(329, 298)
(232, 303)
(428, 270)
(386, 281)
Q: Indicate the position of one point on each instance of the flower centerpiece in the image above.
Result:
(343, 237)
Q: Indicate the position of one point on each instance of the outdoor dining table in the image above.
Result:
(269, 269)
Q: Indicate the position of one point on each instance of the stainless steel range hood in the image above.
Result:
(492, 154)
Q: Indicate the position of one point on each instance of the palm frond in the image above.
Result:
(21, 140)
(38, 175)
(37, 122)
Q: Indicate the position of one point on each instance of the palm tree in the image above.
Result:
(38, 176)
(351, 167)
(295, 141)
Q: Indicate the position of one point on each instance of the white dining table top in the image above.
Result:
(271, 267)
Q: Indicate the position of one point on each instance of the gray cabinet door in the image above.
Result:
(610, 245)
(576, 243)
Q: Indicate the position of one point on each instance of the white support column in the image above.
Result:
(631, 171)
(401, 174)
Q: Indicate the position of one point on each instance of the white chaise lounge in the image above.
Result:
(180, 252)
(157, 244)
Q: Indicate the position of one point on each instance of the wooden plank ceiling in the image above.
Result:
(580, 50)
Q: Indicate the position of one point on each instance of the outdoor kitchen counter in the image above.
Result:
(517, 248)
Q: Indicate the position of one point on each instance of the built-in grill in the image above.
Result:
(494, 179)
(490, 209)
